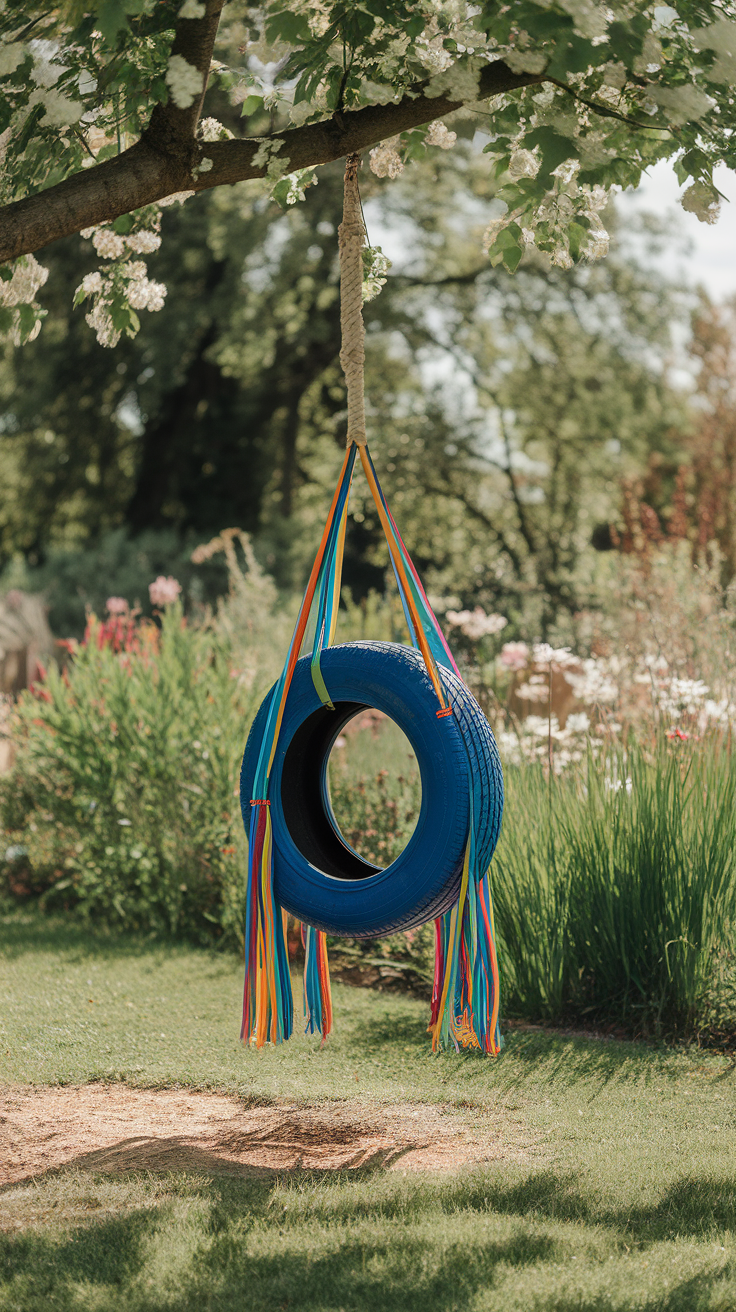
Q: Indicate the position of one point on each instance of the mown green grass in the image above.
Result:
(624, 1195)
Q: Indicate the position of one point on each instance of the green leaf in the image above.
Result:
(251, 105)
(511, 258)
(576, 236)
(555, 150)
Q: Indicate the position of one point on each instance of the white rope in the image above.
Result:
(352, 353)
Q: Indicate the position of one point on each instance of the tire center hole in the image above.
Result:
(374, 787)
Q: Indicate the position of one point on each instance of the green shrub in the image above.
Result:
(122, 800)
(615, 890)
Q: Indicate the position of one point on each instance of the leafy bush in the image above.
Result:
(122, 802)
(615, 890)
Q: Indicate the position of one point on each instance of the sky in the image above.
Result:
(711, 260)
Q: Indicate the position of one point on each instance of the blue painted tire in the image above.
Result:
(317, 877)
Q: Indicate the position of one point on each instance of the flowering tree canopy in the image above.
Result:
(101, 115)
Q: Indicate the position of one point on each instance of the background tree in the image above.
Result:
(505, 410)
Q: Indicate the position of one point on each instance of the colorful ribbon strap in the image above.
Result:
(466, 995)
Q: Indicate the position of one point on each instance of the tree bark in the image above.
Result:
(168, 157)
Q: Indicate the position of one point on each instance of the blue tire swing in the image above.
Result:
(299, 863)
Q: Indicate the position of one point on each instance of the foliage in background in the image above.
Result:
(504, 412)
(122, 802)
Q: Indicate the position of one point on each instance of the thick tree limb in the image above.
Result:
(168, 158)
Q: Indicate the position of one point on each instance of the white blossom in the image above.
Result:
(99, 319)
(566, 171)
(432, 54)
(475, 624)
(191, 9)
(562, 258)
(143, 242)
(523, 164)
(91, 283)
(210, 129)
(145, 294)
(593, 681)
(108, 244)
(385, 161)
(184, 81)
(439, 135)
(28, 277)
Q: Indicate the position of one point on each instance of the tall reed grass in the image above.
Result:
(615, 888)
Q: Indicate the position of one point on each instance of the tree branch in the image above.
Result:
(167, 157)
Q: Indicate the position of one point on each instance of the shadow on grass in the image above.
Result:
(104, 1253)
(692, 1295)
(260, 1247)
(564, 1059)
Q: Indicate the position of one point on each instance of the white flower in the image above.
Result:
(562, 258)
(210, 129)
(523, 164)
(578, 723)
(144, 294)
(432, 54)
(143, 243)
(191, 9)
(385, 162)
(156, 295)
(185, 82)
(99, 319)
(596, 247)
(91, 283)
(475, 624)
(491, 232)
(566, 171)
(134, 269)
(439, 135)
(592, 681)
(108, 244)
(28, 277)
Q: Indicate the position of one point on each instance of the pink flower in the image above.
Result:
(164, 591)
(514, 655)
(116, 605)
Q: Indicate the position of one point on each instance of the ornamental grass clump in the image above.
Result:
(615, 889)
(122, 801)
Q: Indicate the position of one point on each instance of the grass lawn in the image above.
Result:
(621, 1196)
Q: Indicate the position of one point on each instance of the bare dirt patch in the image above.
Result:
(113, 1128)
